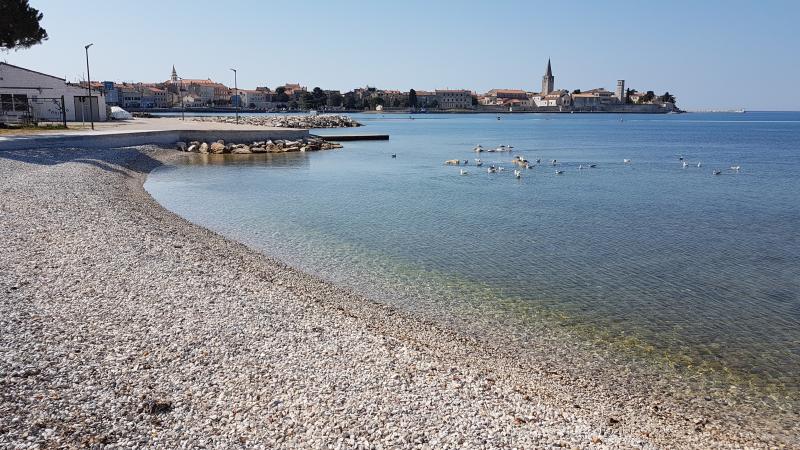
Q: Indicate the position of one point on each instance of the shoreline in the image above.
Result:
(179, 316)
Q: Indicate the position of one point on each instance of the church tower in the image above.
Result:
(174, 76)
(548, 81)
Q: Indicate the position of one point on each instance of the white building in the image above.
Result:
(27, 94)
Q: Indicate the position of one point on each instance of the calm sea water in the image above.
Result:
(701, 269)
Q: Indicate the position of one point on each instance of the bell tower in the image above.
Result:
(174, 76)
(548, 81)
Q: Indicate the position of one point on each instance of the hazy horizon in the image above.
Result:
(715, 55)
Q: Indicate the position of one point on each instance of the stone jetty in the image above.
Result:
(270, 146)
(310, 121)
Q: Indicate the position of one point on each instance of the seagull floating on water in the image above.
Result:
(626, 161)
(394, 155)
(700, 164)
(592, 166)
(736, 168)
(559, 172)
(685, 164)
(517, 173)
(464, 172)
(717, 172)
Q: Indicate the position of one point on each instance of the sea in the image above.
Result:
(607, 233)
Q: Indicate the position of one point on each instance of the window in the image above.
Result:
(5, 102)
(14, 102)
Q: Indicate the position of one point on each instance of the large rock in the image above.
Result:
(193, 148)
(203, 148)
(180, 145)
(241, 149)
(217, 147)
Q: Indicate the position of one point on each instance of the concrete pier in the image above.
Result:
(161, 131)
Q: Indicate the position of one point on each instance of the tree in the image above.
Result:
(280, 94)
(320, 97)
(349, 100)
(667, 98)
(628, 93)
(307, 100)
(374, 102)
(435, 103)
(647, 97)
(19, 25)
(412, 98)
(335, 99)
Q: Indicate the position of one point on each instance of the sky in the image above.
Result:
(709, 54)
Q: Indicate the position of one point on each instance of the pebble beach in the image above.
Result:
(123, 325)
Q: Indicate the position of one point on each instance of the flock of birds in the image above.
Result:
(522, 163)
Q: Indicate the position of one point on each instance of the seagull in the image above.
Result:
(464, 172)
(394, 155)
(553, 162)
(685, 164)
(736, 168)
(717, 172)
(700, 164)
(538, 160)
(680, 158)
(559, 172)
(592, 166)
(626, 161)
(580, 167)
(517, 173)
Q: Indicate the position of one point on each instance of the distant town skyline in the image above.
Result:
(712, 55)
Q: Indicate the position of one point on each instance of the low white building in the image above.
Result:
(29, 95)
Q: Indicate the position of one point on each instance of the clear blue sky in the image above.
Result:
(709, 54)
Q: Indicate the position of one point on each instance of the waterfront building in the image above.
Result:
(554, 98)
(111, 92)
(255, 99)
(453, 98)
(294, 90)
(620, 92)
(505, 97)
(129, 96)
(26, 93)
(594, 97)
(548, 80)
(425, 99)
(393, 98)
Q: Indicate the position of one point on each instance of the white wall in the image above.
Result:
(15, 80)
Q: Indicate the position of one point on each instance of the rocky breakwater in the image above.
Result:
(317, 121)
(271, 146)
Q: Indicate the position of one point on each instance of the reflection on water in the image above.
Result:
(701, 270)
(275, 160)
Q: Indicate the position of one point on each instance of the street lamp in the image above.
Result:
(89, 84)
(180, 94)
(238, 98)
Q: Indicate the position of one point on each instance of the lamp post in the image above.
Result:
(89, 85)
(180, 94)
(238, 98)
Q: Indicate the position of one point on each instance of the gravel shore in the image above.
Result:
(123, 325)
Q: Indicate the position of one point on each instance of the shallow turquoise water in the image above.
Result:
(690, 264)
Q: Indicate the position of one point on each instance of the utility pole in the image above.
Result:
(89, 84)
(238, 97)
